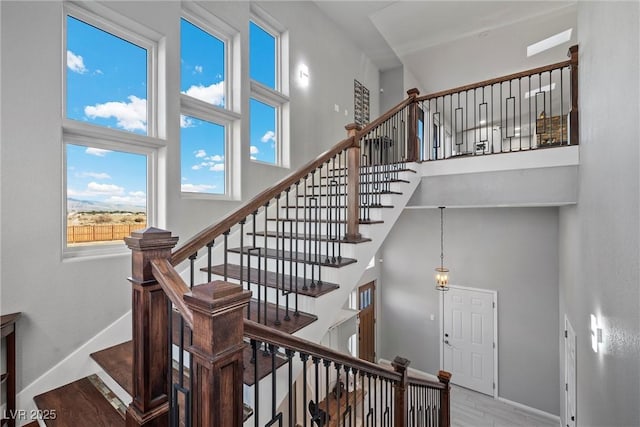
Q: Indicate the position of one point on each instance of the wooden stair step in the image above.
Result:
(366, 170)
(117, 361)
(324, 221)
(32, 424)
(291, 256)
(233, 272)
(324, 194)
(335, 206)
(302, 236)
(383, 181)
(294, 324)
(264, 365)
(80, 403)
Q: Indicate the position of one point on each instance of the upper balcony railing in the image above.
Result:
(531, 109)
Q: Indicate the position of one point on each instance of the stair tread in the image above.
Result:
(382, 181)
(322, 194)
(117, 361)
(79, 400)
(292, 256)
(32, 424)
(301, 236)
(341, 174)
(233, 271)
(3, 377)
(337, 206)
(324, 221)
(264, 365)
(287, 326)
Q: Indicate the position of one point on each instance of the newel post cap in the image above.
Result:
(413, 92)
(151, 238)
(218, 296)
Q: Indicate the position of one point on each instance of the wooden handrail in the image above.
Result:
(496, 80)
(173, 286)
(425, 383)
(273, 336)
(212, 232)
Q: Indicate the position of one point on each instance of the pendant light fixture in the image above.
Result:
(442, 273)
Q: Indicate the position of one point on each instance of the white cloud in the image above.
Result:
(197, 188)
(268, 136)
(213, 94)
(254, 149)
(186, 122)
(75, 63)
(130, 115)
(218, 167)
(200, 153)
(134, 200)
(198, 69)
(137, 194)
(253, 157)
(95, 175)
(99, 152)
(216, 158)
(98, 71)
(105, 188)
(196, 167)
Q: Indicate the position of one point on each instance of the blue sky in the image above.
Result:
(107, 86)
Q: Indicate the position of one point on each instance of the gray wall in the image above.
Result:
(608, 235)
(66, 302)
(511, 250)
(528, 187)
(391, 88)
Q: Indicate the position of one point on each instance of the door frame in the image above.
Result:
(568, 327)
(494, 294)
(373, 285)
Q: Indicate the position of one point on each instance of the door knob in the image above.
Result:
(446, 342)
(446, 335)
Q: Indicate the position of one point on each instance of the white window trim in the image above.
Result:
(278, 98)
(227, 116)
(91, 135)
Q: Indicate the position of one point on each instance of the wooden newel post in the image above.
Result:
(574, 124)
(445, 399)
(217, 346)
(401, 404)
(353, 185)
(413, 142)
(150, 405)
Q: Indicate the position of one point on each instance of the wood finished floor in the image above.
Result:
(472, 409)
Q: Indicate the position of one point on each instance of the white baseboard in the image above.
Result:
(76, 365)
(535, 411)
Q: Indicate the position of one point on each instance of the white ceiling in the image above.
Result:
(444, 44)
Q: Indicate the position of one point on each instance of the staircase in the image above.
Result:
(286, 261)
(91, 399)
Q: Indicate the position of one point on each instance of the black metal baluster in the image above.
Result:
(310, 234)
(326, 364)
(304, 358)
(288, 220)
(338, 391)
(278, 256)
(256, 382)
(329, 216)
(266, 258)
(242, 223)
(226, 257)
(209, 260)
(290, 354)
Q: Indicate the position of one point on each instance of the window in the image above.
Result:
(269, 102)
(208, 122)
(202, 156)
(109, 131)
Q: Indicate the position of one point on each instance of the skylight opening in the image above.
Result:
(549, 42)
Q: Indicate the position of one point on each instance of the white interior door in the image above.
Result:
(469, 338)
(570, 373)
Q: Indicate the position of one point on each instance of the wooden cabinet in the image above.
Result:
(551, 131)
(8, 327)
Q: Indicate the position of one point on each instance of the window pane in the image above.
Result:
(106, 194)
(263, 131)
(106, 79)
(262, 58)
(201, 64)
(202, 156)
